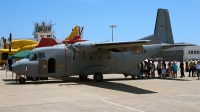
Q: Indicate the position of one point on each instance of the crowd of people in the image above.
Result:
(147, 69)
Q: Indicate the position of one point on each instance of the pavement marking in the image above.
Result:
(116, 104)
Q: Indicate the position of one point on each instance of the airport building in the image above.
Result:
(180, 53)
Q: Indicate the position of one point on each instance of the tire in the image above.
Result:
(34, 79)
(22, 80)
(98, 77)
(83, 76)
(132, 76)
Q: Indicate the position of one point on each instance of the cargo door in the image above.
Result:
(42, 66)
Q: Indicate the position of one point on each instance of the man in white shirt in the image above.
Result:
(198, 68)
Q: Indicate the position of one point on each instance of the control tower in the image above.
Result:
(43, 30)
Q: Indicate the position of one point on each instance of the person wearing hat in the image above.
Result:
(198, 68)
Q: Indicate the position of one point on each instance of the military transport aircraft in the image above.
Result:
(95, 58)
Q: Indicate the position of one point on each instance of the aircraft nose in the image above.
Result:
(15, 67)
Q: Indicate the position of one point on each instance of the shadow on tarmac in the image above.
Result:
(106, 84)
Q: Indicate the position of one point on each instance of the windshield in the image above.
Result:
(35, 56)
(29, 56)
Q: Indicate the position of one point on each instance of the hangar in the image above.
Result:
(180, 53)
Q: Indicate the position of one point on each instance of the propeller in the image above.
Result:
(10, 42)
(4, 42)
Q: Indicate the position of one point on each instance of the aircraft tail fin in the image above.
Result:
(163, 30)
(75, 36)
(77, 31)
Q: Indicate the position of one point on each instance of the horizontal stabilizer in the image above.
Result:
(167, 46)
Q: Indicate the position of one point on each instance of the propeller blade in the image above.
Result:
(10, 37)
(4, 43)
(10, 44)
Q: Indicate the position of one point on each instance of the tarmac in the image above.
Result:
(115, 94)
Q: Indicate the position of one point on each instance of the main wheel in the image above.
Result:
(83, 76)
(98, 77)
(22, 80)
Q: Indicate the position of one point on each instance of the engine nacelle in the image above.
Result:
(84, 47)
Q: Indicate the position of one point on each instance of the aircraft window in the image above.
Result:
(189, 52)
(197, 52)
(141, 51)
(194, 52)
(34, 57)
(29, 56)
(41, 55)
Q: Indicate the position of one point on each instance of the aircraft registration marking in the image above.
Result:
(59, 66)
(111, 60)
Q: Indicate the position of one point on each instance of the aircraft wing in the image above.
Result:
(112, 46)
(122, 46)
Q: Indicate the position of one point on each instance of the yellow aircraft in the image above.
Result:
(17, 46)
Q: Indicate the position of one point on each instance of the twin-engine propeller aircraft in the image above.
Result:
(95, 58)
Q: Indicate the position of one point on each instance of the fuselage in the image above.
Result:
(60, 61)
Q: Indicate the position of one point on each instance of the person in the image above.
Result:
(4, 66)
(34, 57)
(194, 68)
(159, 68)
(163, 69)
(198, 69)
(139, 71)
(182, 69)
(190, 68)
(152, 69)
(186, 66)
(149, 67)
(175, 68)
(145, 69)
(169, 68)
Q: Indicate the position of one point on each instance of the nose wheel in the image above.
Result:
(22, 80)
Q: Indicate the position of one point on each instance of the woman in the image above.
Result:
(182, 69)
(159, 68)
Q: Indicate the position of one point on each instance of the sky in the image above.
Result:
(134, 18)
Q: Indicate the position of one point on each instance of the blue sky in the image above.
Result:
(134, 18)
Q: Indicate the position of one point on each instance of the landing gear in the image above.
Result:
(132, 76)
(22, 80)
(125, 75)
(98, 77)
(83, 76)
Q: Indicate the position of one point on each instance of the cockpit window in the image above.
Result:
(35, 56)
(29, 56)
(41, 55)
